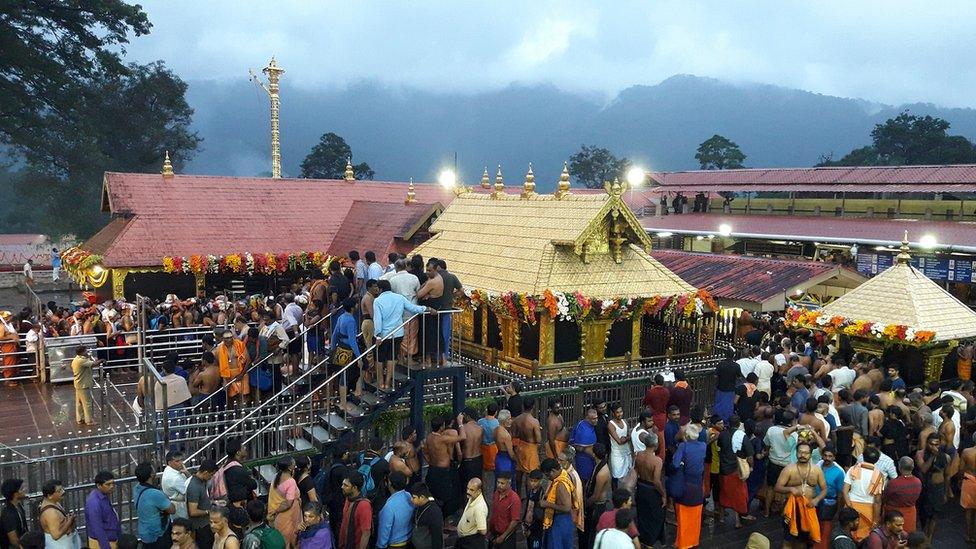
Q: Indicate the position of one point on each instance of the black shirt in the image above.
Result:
(747, 404)
(515, 405)
(428, 527)
(239, 478)
(603, 431)
(306, 485)
(340, 286)
(12, 519)
(727, 372)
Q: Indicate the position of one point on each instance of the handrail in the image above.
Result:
(250, 368)
(307, 373)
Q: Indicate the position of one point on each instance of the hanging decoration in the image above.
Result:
(75, 259)
(248, 263)
(894, 333)
(576, 307)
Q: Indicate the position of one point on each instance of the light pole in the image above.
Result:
(635, 178)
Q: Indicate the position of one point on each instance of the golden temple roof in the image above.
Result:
(590, 244)
(903, 295)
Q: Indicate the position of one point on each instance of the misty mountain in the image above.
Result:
(405, 133)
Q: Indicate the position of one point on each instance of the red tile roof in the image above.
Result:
(743, 278)
(826, 228)
(361, 231)
(190, 214)
(960, 178)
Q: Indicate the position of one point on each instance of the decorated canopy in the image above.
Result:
(901, 305)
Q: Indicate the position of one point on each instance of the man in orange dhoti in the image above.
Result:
(967, 494)
(557, 435)
(901, 494)
(863, 486)
(800, 523)
(233, 360)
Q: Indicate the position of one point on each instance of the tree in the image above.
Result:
(908, 139)
(52, 51)
(592, 166)
(328, 158)
(126, 123)
(719, 153)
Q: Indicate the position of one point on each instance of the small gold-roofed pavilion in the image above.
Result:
(564, 280)
(914, 321)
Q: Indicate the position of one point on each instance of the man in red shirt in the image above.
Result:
(621, 499)
(506, 512)
(357, 511)
(656, 399)
(903, 492)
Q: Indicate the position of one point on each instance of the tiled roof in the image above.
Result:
(903, 295)
(845, 229)
(529, 245)
(190, 214)
(361, 230)
(752, 279)
(960, 178)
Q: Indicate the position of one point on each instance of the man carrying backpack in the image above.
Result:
(260, 534)
(375, 470)
(357, 514)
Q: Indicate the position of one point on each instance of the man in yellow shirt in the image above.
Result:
(473, 525)
(82, 367)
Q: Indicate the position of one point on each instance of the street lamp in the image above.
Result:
(447, 179)
(635, 178)
(928, 241)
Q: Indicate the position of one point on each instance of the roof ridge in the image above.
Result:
(824, 168)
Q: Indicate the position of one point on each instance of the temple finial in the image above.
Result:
(615, 189)
(167, 167)
(499, 184)
(485, 182)
(411, 193)
(349, 175)
(562, 188)
(903, 257)
(528, 187)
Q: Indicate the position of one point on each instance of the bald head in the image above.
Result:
(906, 466)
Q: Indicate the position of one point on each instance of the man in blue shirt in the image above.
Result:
(583, 439)
(896, 381)
(834, 478)
(395, 523)
(153, 509)
(388, 308)
(344, 342)
(800, 394)
(101, 519)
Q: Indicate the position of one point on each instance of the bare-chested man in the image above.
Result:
(967, 496)
(869, 378)
(398, 461)
(471, 461)
(597, 492)
(650, 498)
(876, 416)
(947, 432)
(557, 434)
(408, 435)
(526, 437)
(442, 475)
(504, 462)
(798, 481)
(207, 381)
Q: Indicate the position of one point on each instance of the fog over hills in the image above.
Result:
(405, 133)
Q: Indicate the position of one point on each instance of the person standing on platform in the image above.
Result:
(442, 474)
(489, 449)
(472, 463)
(55, 265)
(82, 367)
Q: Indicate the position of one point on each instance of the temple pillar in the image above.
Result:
(934, 359)
(635, 340)
(595, 333)
(118, 283)
(547, 339)
(200, 279)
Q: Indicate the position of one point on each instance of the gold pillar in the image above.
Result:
(595, 339)
(934, 359)
(635, 335)
(118, 283)
(547, 339)
(200, 280)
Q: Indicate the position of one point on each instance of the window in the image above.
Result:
(494, 331)
(567, 341)
(529, 340)
(620, 338)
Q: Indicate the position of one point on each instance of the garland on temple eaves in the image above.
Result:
(75, 259)
(576, 306)
(893, 333)
(247, 263)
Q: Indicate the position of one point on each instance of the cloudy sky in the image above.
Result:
(888, 51)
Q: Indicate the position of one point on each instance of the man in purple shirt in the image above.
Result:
(101, 519)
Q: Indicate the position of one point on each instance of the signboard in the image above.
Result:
(941, 269)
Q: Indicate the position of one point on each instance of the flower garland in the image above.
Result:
(76, 259)
(896, 333)
(247, 263)
(576, 306)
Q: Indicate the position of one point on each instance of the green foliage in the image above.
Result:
(592, 166)
(327, 160)
(126, 123)
(719, 153)
(909, 140)
(52, 52)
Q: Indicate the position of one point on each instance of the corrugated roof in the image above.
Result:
(959, 178)
(903, 295)
(743, 278)
(191, 214)
(846, 229)
(529, 245)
